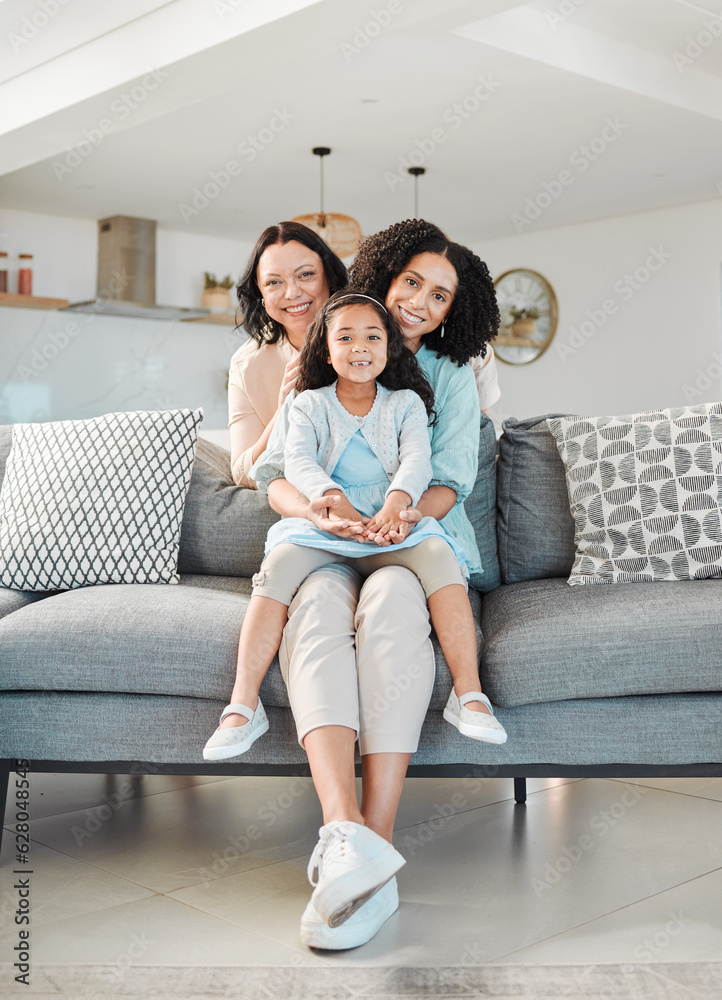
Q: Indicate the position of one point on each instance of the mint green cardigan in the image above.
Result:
(454, 442)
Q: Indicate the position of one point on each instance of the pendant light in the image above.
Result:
(416, 172)
(341, 232)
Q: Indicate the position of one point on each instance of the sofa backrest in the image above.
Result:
(224, 526)
(535, 528)
(6, 441)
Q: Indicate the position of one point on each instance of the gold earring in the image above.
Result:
(263, 303)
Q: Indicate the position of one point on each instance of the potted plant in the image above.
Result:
(523, 318)
(216, 294)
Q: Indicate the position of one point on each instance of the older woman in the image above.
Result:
(356, 655)
(289, 275)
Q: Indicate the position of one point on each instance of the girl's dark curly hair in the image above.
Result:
(402, 369)
(473, 319)
(256, 321)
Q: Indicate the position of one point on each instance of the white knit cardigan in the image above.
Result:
(396, 429)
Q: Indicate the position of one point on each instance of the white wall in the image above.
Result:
(659, 349)
(65, 252)
(57, 365)
(66, 257)
(181, 259)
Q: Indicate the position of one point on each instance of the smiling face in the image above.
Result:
(293, 284)
(357, 344)
(421, 296)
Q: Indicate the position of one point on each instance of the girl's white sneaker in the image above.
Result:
(475, 725)
(225, 743)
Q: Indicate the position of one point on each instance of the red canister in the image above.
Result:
(25, 274)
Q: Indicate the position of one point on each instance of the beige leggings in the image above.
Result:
(287, 565)
(358, 654)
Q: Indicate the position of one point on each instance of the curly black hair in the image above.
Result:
(473, 319)
(402, 369)
(256, 322)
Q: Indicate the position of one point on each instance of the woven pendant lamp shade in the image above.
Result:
(341, 232)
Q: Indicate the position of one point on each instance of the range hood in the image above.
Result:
(126, 273)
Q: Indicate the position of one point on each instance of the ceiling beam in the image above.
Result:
(528, 32)
(176, 55)
(183, 53)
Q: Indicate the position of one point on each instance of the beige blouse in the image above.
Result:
(487, 379)
(254, 381)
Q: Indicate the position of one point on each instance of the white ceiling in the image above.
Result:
(228, 66)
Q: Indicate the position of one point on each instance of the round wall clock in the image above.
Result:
(528, 308)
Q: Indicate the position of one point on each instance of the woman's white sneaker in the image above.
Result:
(475, 725)
(360, 927)
(348, 865)
(235, 740)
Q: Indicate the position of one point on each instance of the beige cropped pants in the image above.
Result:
(287, 565)
(357, 653)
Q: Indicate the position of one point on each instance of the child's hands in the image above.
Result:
(410, 518)
(387, 526)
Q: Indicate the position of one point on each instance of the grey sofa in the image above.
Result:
(602, 680)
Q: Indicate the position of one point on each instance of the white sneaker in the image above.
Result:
(348, 865)
(235, 740)
(360, 926)
(475, 725)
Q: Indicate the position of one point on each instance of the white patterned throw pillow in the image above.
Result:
(96, 501)
(644, 492)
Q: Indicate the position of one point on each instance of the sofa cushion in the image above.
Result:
(173, 641)
(644, 491)
(132, 638)
(11, 600)
(224, 525)
(545, 641)
(480, 507)
(96, 501)
(534, 527)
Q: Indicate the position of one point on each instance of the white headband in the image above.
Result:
(360, 295)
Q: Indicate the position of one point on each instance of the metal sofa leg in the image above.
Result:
(520, 790)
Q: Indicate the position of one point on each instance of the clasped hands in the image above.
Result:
(392, 524)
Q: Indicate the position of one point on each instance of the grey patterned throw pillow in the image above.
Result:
(96, 501)
(644, 491)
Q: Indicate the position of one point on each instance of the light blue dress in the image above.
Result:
(365, 484)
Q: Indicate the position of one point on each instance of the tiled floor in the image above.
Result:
(160, 885)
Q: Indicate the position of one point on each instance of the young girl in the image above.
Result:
(357, 432)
